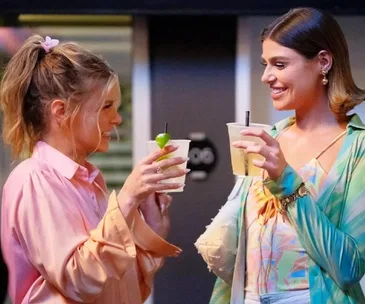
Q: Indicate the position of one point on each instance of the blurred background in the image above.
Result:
(194, 64)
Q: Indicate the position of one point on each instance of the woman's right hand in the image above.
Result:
(146, 177)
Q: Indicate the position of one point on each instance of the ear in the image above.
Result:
(325, 61)
(58, 110)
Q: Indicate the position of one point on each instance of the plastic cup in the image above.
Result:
(182, 151)
(241, 161)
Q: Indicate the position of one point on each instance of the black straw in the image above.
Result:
(165, 127)
(247, 118)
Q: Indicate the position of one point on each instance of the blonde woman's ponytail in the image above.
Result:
(14, 87)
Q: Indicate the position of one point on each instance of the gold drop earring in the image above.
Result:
(324, 79)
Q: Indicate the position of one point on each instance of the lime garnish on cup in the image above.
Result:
(163, 138)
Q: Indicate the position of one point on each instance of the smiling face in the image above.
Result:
(93, 125)
(295, 81)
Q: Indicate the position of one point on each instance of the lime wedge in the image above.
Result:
(162, 139)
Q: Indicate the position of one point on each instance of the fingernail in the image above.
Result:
(187, 170)
(185, 158)
(181, 185)
(163, 208)
(170, 147)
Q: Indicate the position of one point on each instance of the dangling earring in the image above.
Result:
(324, 79)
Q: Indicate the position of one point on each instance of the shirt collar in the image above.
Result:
(63, 164)
(354, 123)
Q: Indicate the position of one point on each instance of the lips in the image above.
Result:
(276, 92)
(106, 134)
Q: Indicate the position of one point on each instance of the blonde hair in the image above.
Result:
(34, 78)
(309, 31)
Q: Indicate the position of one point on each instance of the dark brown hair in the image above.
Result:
(309, 31)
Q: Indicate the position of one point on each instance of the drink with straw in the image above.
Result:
(241, 161)
(163, 139)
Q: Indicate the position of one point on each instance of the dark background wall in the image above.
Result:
(193, 88)
(176, 6)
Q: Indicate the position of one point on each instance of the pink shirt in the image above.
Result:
(64, 242)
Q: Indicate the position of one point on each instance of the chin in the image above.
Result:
(281, 106)
(103, 147)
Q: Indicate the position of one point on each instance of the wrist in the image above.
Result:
(127, 205)
(285, 202)
(159, 230)
(285, 185)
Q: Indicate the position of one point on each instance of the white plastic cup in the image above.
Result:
(242, 162)
(182, 151)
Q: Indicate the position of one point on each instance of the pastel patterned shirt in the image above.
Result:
(330, 227)
(276, 259)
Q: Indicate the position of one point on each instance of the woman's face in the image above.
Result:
(295, 81)
(95, 122)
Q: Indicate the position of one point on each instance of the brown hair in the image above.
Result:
(309, 31)
(34, 78)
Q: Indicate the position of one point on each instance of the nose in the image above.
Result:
(267, 76)
(117, 120)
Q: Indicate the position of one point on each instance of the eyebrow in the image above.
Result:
(275, 58)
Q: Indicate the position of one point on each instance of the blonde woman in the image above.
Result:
(64, 240)
(301, 236)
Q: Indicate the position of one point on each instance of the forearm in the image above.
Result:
(128, 206)
(148, 264)
(336, 251)
(108, 253)
(79, 263)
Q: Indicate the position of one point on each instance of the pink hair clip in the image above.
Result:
(49, 43)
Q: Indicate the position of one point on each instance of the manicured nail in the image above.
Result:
(170, 147)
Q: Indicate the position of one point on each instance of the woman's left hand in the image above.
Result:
(274, 162)
(155, 212)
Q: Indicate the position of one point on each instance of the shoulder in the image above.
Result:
(282, 125)
(26, 169)
(21, 173)
(357, 144)
(31, 174)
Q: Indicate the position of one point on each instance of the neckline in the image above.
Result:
(342, 148)
(315, 162)
(339, 136)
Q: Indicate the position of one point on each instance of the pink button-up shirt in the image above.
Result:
(65, 242)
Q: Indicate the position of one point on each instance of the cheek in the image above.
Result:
(300, 80)
(103, 118)
(307, 83)
(289, 76)
(89, 124)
